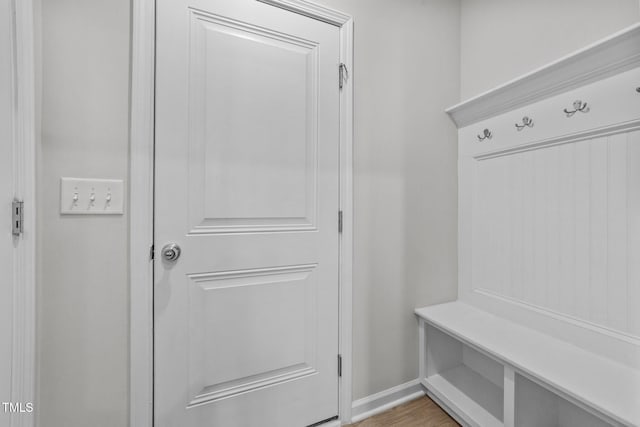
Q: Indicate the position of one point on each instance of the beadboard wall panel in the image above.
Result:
(557, 228)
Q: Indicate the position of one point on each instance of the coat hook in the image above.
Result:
(577, 106)
(486, 134)
(526, 122)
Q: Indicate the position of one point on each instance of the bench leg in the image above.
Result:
(422, 341)
(509, 396)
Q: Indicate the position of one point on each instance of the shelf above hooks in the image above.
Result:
(613, 55)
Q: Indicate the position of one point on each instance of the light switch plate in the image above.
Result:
(76, 195)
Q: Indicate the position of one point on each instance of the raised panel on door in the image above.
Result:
(253, 128)
(247, 139)
(228, 360)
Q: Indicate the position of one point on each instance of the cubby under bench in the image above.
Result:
(487, 371)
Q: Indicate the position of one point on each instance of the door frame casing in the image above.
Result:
(141, 166)
(23, 274)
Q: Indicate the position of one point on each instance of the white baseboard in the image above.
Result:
(386, 399)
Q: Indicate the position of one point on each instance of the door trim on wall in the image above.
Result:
(141, 201)
(24, 326)
(141, 146)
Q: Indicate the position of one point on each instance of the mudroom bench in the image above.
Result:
(487, 371)
(546, 329)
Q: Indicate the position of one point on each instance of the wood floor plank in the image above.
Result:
(421, 412)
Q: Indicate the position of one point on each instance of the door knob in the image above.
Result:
(171, 252)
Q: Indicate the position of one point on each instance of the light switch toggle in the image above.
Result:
(82, 196)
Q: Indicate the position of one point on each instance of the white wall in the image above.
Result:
(82, 285)
(405, 244)
(503, 39)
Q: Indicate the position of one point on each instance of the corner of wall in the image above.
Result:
(460, 50)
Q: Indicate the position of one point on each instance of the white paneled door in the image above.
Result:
(246, 184)
(6, 198)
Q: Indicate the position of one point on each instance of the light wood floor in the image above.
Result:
(421, 412)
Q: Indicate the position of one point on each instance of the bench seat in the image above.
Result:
(587, 379)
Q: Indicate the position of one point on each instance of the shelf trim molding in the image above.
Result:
(607, 57)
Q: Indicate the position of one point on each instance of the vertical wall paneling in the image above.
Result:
(582, 220)
(566, 237)
(480, 234)
(526, 223)
(598, 230)
(552, 228)
(633, 232)
(494, 279)
(558, 226)
(617, 233)
(516, 210)
(539, 235)
(466, 236)
(502, 221)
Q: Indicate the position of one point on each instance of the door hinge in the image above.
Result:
(339, 221)
(152, 252)
(343, 75)
(17, 217)
(340, 365)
